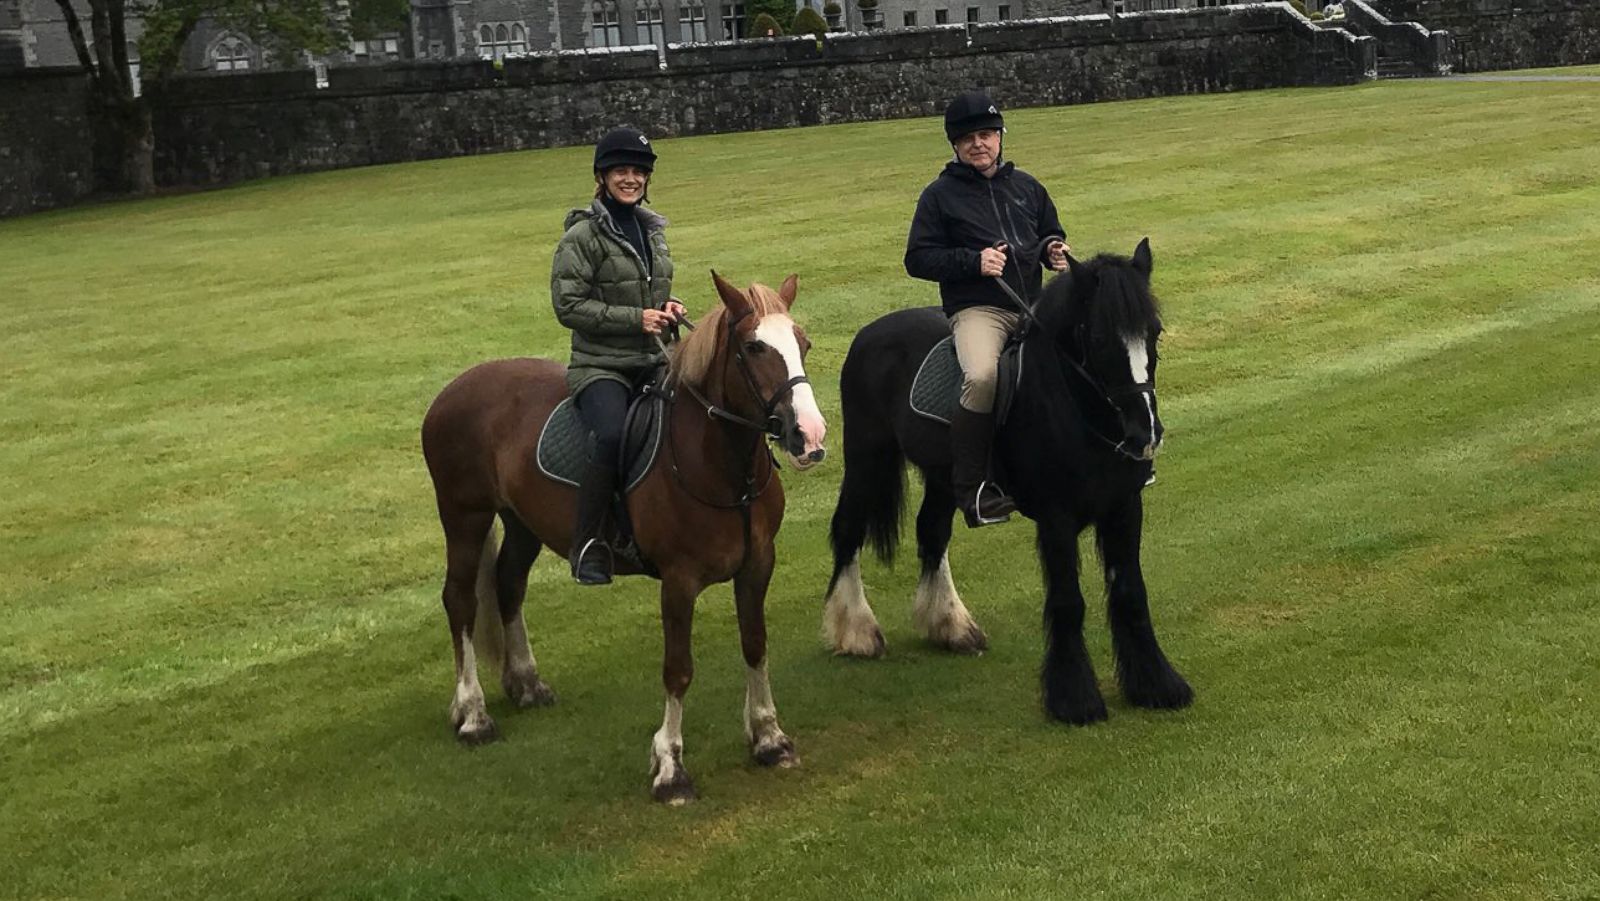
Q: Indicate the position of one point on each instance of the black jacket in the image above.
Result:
(960, 214)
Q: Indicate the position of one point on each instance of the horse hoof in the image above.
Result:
(480, 733)
(675, 792)
(1078, 713)
(778, 754)
(1168, 694)
(971, 641)
(870, 648)
(527, 696)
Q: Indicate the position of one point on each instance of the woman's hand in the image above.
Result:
(656, 320)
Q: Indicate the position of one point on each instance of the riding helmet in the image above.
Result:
(970, 112)
(624, 147)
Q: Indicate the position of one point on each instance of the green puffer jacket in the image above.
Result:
(600, 287)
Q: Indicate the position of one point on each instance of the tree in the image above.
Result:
(123, 140)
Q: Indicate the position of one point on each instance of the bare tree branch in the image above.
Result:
(75, 30)
(119, 47)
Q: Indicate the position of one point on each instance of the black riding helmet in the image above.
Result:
(970, 112)
(624, 147)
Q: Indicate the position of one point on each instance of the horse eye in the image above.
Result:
(754, 347)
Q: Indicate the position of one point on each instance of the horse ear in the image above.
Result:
(732, 297)
(786, 291)
(1141, 257)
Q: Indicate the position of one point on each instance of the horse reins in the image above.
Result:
(1032, 318)
(770, 429)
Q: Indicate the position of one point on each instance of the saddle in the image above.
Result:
(936, 389)
(565, 444)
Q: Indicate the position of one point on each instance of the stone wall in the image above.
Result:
(219, 130)
(1508, 34)
(45, 146)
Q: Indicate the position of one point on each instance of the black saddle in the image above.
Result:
(566, 444)
(936, 390)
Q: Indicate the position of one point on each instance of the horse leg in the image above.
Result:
(670, 782)
(938, 613)
(869, 501)
(1071, 693)
(468, 540)
(1146, 677)
(519, 674)
(768, 745)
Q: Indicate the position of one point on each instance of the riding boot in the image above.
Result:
(591, 553)
(981, 501)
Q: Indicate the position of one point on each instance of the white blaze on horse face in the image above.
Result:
(776, 330)
(1139, 365)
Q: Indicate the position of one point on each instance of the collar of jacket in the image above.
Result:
(651, 220)
(964, 172)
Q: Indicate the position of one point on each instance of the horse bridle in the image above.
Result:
(770, 426)
(1110, 396)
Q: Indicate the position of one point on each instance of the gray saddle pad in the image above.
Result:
(936, 390)
(566, 443)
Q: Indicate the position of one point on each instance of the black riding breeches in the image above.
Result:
(603, 405)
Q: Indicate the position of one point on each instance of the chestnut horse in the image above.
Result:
(707, 512)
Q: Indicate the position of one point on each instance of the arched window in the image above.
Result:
(485, 36)
(605, 24)
(647, 21)
(230, 55)
(693, 21)
(502, 34)
(519, 40)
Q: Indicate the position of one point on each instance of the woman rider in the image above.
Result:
(611, 283)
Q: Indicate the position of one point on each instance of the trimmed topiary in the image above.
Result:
(765, 26)
(1299, 6)
(806, 21)
(781, 11)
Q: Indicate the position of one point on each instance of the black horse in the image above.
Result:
(1075, 450)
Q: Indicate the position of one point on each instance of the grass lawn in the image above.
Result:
(224, 670)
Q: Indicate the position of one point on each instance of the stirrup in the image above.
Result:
(588, 568)
(1000, 507)
(1152, 480)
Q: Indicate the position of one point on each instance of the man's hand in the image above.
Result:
(675, 309)
(1056, 255)
(992, 261)
(655, 321)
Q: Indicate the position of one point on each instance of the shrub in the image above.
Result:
(867, 4)
(1299, 6)
(832, 8)
(781, 11)
(806, 21)
(765, 26)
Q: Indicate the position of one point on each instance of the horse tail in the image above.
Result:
(488, 632)
(872, 501)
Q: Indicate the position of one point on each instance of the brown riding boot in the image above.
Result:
(981, 501)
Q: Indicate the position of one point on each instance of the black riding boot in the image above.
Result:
(981, 501)
(591, 554)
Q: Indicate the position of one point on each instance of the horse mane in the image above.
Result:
(691, 360)
(1121, 303)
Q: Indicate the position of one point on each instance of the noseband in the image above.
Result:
(1109, 395)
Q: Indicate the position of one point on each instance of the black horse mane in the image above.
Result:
(1107, 293)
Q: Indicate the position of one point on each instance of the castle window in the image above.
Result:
(941, 17)
(605, 28)
(230, 55)
(909, 18)
(733, 21)
(972, 14)
(693, 21)
(1004, 13)
(647, 23)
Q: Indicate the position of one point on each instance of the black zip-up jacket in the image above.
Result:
(960, 214)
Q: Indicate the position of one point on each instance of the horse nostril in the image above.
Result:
(817, 455)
